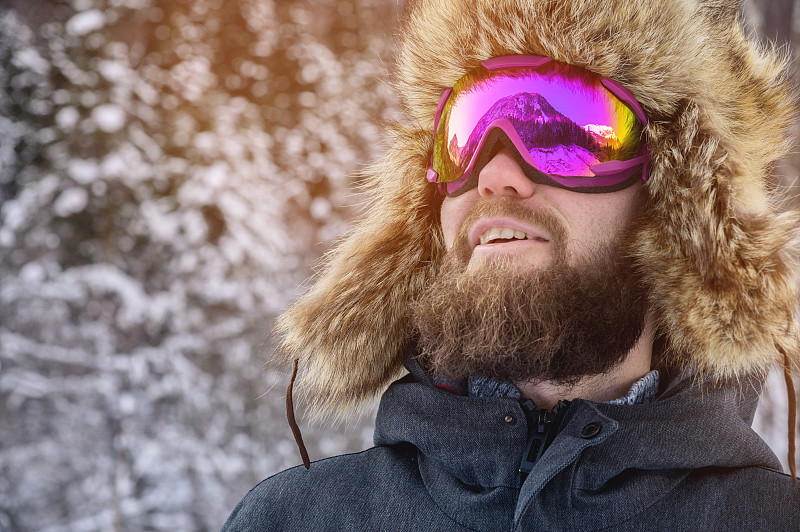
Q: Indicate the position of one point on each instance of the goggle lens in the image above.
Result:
(562, 120)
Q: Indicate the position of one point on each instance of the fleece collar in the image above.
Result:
(641, 391)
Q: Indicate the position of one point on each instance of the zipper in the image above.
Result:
(543, 426)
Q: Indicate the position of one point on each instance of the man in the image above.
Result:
(586, 290)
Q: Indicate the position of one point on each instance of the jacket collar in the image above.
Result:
(472, 446)
(470, 438)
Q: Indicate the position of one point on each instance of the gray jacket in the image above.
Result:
(688, 460)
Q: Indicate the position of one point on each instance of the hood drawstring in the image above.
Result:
(298, 438)
(787, 375)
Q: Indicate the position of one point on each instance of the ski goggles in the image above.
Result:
(566, 126)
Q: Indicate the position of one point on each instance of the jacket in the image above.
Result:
(688, 460)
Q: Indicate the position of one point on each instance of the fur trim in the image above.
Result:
(717, 254)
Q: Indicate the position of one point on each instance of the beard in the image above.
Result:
(558, 324)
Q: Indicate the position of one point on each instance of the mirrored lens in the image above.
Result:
(567, 120)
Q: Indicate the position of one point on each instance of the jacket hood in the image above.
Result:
(717, 251)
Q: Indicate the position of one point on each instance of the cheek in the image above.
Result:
(601, 217)
(453, 213)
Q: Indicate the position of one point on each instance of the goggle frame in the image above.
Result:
(607, 174)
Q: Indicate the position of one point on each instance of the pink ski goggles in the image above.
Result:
(566, 126)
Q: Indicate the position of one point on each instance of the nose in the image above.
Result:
(502, 176)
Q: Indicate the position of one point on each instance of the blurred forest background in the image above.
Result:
(170, 170)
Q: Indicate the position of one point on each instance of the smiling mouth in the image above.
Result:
(500, 235)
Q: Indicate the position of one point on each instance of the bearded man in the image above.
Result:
(575, 250)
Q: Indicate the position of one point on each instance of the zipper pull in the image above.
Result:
(543, 425)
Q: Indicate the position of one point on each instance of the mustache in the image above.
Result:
(485, 207)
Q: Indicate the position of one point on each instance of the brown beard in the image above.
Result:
(556, 324)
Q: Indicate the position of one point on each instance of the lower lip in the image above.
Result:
(501, 247)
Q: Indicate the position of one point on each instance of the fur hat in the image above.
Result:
(717, 251)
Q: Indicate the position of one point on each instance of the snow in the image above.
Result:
(160, 225)
(85, 22)
(67, 118)
(83, 171)
(320, 208)
(113, 71)
(109, 117)
(32, 272)
(604, 132)
(563, 160)
(771, 416)
(7, 238)
(29, 58)
(71, 201)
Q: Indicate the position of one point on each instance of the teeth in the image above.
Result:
(505, 233)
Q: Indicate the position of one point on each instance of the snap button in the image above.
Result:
(510, 419)
(591, 430)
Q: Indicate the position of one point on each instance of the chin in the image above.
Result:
(520, 261)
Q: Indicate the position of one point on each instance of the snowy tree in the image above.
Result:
(169, 171)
